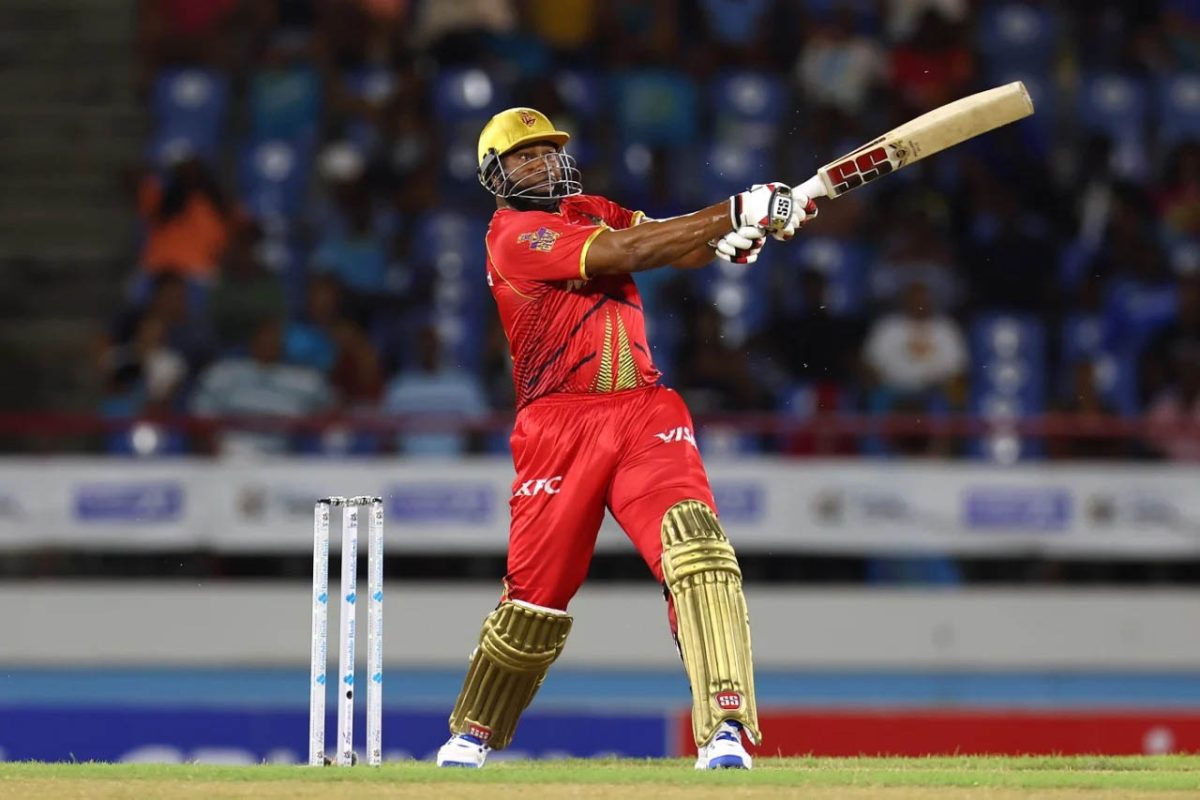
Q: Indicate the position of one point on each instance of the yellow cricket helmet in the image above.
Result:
(514, 127)
(541, 183)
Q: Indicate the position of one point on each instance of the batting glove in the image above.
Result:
(772, 208)
(740, 246)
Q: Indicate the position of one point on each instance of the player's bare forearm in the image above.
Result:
(701, 256)
(657, 243)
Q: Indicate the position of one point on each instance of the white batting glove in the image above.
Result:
(740, 246)
(772, 208)
(767, 206)
(804, 209)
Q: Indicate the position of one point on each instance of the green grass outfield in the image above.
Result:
(890, 778)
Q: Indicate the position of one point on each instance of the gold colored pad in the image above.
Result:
(517, 645)
(702, 574)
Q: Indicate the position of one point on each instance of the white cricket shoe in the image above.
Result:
(463, 750)
(725, 751)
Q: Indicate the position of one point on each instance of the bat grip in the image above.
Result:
(813, 187)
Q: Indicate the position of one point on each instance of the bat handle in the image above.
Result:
(813, 187)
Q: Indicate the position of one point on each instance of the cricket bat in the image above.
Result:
(916, 139)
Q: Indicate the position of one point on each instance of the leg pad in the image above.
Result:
(517, 645)
(705, 582)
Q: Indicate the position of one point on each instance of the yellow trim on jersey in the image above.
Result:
(492, 260)
(638, 218)
(587, 246)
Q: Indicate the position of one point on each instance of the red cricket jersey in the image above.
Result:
(566, 332)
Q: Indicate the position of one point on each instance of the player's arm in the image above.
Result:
(698, 257)
(768, 207)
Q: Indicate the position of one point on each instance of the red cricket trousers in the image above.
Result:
(632, 452)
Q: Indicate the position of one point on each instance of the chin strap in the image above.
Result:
(526, 204)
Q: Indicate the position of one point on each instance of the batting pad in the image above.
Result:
(702, 574)
(517, 645)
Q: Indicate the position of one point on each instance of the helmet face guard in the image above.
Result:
(537, 183)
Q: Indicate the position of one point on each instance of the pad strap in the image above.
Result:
(517, 645)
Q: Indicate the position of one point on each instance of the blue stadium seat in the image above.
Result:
(273, 180)
(1178, 107)
(468, 94)
(1036, 132)
(190, 106)
(633, 165)
(375, 85)
(1134, 311)
(739, 292)
(1118, 106)
(1017, 36)
(448, 230)
(459, 178)
(457, 278)
(581, 92)
(1008, 380)
(1083, 338)
(1113, 104)
(748, 107)
(285, 104)
(729, 168)
(844, 265)
(656, 107)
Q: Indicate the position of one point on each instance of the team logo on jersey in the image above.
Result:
(529, 119)
(533, 488)
(542, 239)
(680, 434)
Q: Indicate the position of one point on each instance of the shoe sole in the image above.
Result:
(727, 762)
(459, 764)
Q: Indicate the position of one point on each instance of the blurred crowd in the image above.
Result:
(312, 231)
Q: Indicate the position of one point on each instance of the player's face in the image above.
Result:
(529, 165)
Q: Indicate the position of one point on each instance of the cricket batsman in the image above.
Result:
(596, 430)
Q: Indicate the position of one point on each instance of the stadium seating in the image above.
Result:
(748, 107)
(656, 107)
(1008, 380)
(469, 95)
(273, 178)
(189, 107)
(1017, 36)
(286, 105)
(1178, 107)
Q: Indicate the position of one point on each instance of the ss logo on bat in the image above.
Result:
(854, 172)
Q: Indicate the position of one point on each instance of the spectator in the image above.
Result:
(356, 376)
(1179, 199)
(312, 340)
(933, 67)
(811, 345)
(1169, 352)
(1090, 411)
(246, 294)
(354, 252)
(568, 26)
(188, 222)
(1008, 252)
(438, 393)
(1177, 410)
(916, 360)
(186, 330)
(260, 384)
(838, 66)
(915, 250)
(160, 370)
(187, 32)
(713, 374)
(456, 32)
